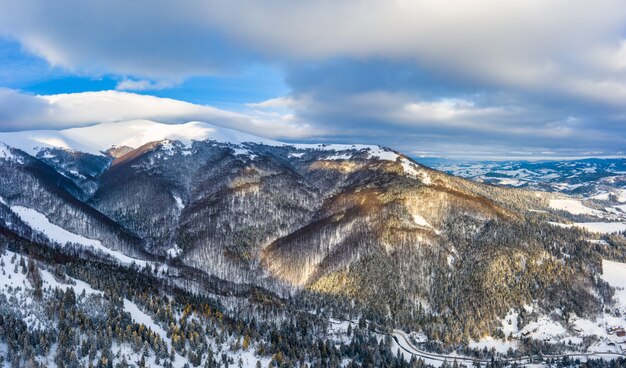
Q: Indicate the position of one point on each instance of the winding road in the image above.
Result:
(405, 344)
(403, 341)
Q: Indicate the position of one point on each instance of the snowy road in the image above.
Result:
(401, 338)
(405, 344)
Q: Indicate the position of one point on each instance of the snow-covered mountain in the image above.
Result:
(99, 138)
(352, 230)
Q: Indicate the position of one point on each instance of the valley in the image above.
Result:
(197, 245)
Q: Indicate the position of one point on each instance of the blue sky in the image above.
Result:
(452, 78)
(21, 70)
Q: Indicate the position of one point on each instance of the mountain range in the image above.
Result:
(357, 231)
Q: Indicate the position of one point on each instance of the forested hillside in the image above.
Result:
(227, 246)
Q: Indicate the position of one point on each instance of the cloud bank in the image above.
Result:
(19, 111)
(420, 75)
(514, 42)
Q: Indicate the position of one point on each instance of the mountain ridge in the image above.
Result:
(134, 133)
(406, 243)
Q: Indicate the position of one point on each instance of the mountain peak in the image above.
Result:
(98, 138)
(101, 138)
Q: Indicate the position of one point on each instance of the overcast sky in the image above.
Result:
(448, 78)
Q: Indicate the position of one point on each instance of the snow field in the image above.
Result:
(615, 274)
(412, 169)
(575, 207)
(5, 153)
(595, 227)
(602, 227)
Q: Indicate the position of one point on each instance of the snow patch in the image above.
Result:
(244, 152)
(167, 147)
(78, 285)
(382, 153)
(595, 227)
(175, 251)
(39, 222)
(601, 197)
(374, 152)
(500, 346)
(572, 206)
(615, 274)
(142, 318)
(510, 182)
(345, 156)
(179, 203)
(421, 221)
(543, 329)
(621, 207)
(412, 169)
(602, 227)
(560, 224)
(509, 327)
(621, 196)
(7, 155)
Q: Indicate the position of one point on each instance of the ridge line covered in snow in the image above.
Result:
(98, 138)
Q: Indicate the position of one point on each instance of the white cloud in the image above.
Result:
(448, 111)
(544, 45)
(20, 111)
(445, 127)
(273, 103)
(141, 85)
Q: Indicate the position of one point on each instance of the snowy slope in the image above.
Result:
(16, 287)
(39, 222)
(98, 138)
(615, 274)
(572, 206)
(602, 227)
(596, 227)
(5, 153)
